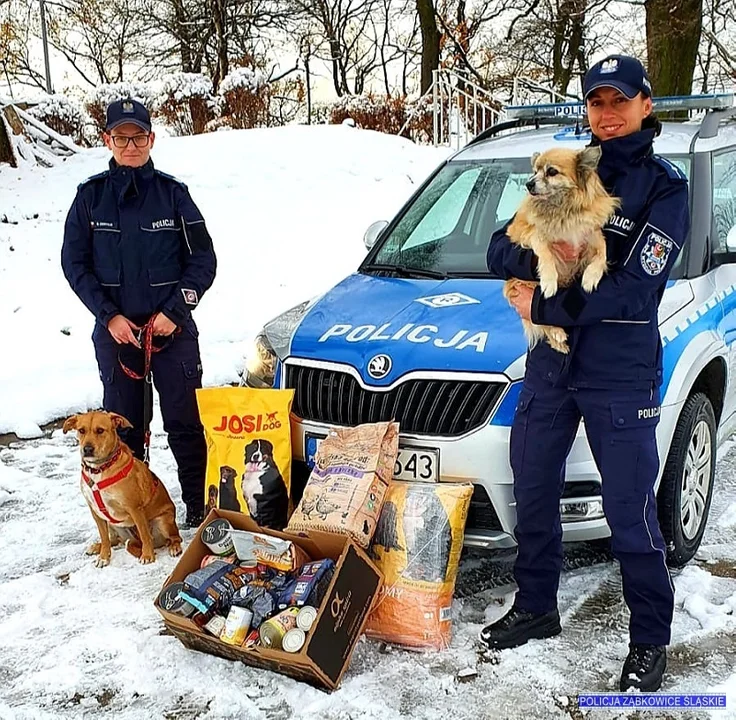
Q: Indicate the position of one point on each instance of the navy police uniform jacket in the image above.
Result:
(136, 244)
(613, 331)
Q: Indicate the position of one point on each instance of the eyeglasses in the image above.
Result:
(121, 141)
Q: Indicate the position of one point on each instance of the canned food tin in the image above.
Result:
(272, 631)
(294, 640)
(215, 625)
(216, 536)
(306, 617)
(170, 600)
(237, 625)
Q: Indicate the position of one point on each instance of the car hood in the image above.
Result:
(460, 325)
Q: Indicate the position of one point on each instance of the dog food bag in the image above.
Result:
(212, 587)
(346, 488)
(248, 452)
(258, 599)
(417, 546)
(260, 549)
(310, 586)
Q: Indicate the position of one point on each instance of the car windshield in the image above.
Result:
(446, 230)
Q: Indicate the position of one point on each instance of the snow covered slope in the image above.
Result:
(286, 207)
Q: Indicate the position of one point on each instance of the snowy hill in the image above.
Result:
(286, 207)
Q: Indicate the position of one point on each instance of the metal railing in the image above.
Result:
(460, 108)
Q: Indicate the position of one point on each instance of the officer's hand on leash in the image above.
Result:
(162, 325)
(123, 331)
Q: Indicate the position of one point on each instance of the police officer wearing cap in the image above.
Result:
(611, 379)
(137, 251)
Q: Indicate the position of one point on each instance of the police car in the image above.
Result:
(434, 345)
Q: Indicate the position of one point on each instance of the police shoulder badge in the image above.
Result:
(655, 252)
(190, 296)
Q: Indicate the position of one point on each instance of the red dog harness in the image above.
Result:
(95, 486)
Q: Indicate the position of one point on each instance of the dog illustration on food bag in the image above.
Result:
(263, 486)
(228, 493)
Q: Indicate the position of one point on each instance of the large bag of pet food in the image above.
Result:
(417, 547)
(248, 451)
(346, 488)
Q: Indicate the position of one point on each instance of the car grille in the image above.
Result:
(482, 514)
(422, 407)
(583, 488)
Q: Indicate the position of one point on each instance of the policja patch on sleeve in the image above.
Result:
(190, 296)
(656, 250)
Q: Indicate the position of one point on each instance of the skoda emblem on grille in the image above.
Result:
(379, 366)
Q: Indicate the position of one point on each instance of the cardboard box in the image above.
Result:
(340, 620)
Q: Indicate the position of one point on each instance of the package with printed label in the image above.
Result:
(348, 483)
(212, 587)
(260, 549)
(417, 547)
(248, 438)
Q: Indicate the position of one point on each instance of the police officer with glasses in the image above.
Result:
(137, 253)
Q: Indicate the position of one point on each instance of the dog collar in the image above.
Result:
(112, 459)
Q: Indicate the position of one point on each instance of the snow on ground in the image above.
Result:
(81, 642)
(286, 207)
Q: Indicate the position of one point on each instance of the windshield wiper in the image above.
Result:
(408, 272)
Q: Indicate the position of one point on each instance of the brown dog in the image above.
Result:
(127, 501)
(567, 202)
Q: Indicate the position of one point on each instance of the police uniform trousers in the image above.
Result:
(177, 373)
(620, 426)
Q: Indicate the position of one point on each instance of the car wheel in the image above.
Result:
(686, 488)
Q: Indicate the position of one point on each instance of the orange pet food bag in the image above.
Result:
(248, 438)
(417, 546)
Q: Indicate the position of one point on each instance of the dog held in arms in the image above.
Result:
(128, 502)
(566, 202)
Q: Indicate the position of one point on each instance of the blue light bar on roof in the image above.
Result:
(577, 109)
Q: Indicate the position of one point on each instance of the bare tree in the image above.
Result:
(717, 55)
(18, 29)
(97, 38)
(341, 33)
(673, 36)
(430, 42)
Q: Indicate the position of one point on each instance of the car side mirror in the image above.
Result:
(373, 232)
(731, 240)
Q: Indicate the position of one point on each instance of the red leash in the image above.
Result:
(146, 341)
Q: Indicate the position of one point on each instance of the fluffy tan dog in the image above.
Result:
(568, 202)
(128, 502)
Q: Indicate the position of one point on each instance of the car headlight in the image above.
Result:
(260, 365)
(272, 344)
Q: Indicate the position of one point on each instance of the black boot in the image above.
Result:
(643, 668)
(518, 627)
(195, 516)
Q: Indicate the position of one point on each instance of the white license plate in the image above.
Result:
(416, 464)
